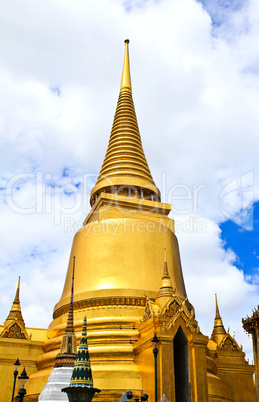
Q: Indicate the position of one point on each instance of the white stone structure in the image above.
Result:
(58, 379)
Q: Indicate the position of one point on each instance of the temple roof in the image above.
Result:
(250, 324)
(125, 164)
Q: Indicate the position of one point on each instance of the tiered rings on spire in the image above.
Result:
(219, 332)
(125, 170)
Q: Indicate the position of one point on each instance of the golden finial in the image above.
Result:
(16, 303)
(17, 295)
(217, 307)
(125, 79)
(166, 289)
(166, 273)
(219, 331)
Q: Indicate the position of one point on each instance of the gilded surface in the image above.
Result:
(229, 343)
(125, 170)
(148, 311)
(101, 302)
(171, 309)
(113, 275)
(174, 309)
(14, 326)
(15, 331)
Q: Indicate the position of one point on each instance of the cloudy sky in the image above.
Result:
(195, 78)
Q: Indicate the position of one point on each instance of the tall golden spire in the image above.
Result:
(125, 79)
(125, 170)
(219, 331)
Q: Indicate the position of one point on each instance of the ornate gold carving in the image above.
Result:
(174, 305)
(229, 343)
(149, 312)
(193, 325)
(65, 360)
(250, 323)
(174, 309)
(101, 302)
(190, 323)
(14, 331)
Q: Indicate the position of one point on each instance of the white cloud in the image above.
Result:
(195, 89)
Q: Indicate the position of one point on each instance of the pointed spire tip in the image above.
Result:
(219, 331)
(217, 306)
(17, 294)
(125, 79)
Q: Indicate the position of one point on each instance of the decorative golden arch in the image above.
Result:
(229, 343)
(14, 330)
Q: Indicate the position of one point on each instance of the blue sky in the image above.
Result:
(221, 11)
(244, 243)
(195, 78)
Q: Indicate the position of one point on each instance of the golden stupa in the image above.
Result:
(129, 283)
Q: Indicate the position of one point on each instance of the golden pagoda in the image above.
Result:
(120, 255)
(17, 340)
(129, 283)
(14, 326)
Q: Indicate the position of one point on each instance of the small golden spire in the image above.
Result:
(219, 331)
(16, 303)
(125, 79)
(166, 290)
(217, 307)
(166, 273)
(14, 326)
